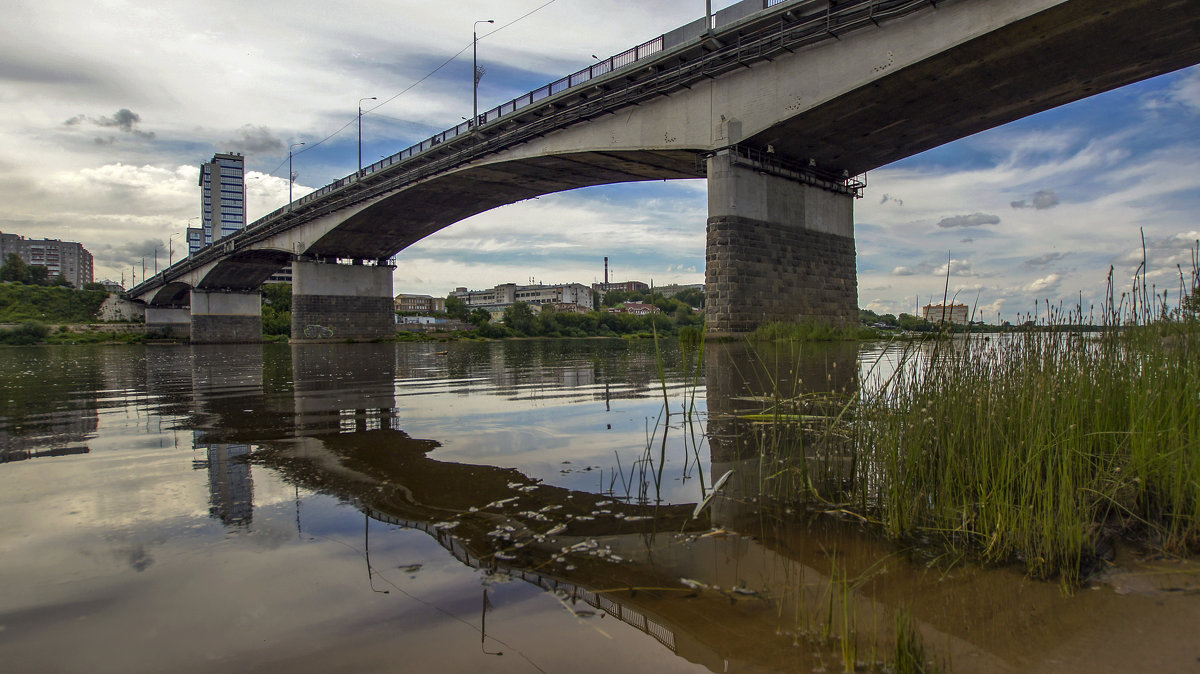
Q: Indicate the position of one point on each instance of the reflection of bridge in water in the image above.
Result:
(742, 588)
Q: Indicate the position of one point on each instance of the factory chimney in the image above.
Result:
(606, 273)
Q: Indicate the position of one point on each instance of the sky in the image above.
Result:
(108, 107)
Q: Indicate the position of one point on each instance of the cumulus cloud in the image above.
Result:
(957, 268)
(889, 198)
(1042, 199)
(973, 220)
(255, 140)
(902, 271)
(1044, 284)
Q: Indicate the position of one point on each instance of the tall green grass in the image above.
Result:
(1041, 447)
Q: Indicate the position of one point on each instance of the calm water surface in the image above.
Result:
(511, 506)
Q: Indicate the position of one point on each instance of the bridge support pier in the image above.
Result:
(337, 302)
(226, 317)
(779, 248)
(175, 322)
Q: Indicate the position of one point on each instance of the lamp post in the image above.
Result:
(292, 176)
(360, 101)
(475, 71)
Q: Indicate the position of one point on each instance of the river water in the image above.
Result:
(515, 506)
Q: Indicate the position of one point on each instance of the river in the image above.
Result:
(515, 506)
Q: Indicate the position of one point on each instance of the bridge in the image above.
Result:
(780, 104)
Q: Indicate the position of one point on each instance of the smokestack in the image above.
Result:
(606, 273)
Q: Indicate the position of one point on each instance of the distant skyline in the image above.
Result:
(108, 110)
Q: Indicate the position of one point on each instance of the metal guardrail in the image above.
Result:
(418, 162)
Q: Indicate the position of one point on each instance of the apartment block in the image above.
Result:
(68, 258)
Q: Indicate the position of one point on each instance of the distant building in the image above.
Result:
(223, 206)
(635, 308)
(951, 313)
(425, 304)
(222, 200)
(507, 294)
(68, 258)
(673, 289)
(112, 286)
(627, 286)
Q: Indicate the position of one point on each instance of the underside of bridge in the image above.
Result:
(779, 135)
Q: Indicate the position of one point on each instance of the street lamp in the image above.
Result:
(475, 74)
(370, 98)
(171, 248)
(292, 176)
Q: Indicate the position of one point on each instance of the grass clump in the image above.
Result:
(1043, 447)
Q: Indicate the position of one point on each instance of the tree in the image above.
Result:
(278, 295)
(693, 297)
(61, 281)
(39, 275)
(456, 308)
(14, 269)
(277, 309)
(520, 318)
(93, 285)
(479, 316)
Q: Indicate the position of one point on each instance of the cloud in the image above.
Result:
(973, 220)
(255, 140)
(902, 271)
(124, 120)
(957, 268)
(896, 200)
(1042, 199)
(1043, 260)
(1044, 284)
(132, 253)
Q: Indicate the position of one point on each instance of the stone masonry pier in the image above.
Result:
(337, 302)
(780, 247)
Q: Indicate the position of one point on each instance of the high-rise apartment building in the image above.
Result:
(68, 258)
(222, 200)
(223, 206)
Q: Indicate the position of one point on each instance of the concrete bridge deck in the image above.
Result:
(779, 106)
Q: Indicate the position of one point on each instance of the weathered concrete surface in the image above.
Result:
(337, 302)
(776, 250)
(168, 322)
(224, 317)
(116, 308)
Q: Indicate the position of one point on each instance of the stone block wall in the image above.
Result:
(226, 329)
(342, 317)
(760, 271)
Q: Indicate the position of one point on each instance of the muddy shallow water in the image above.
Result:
(514, 506)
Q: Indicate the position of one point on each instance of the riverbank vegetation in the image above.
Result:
(1044, 448)
(20, 303)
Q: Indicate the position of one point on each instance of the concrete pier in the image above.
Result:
(337, 302)
(173, 322)
(778, 249)
(226, 317)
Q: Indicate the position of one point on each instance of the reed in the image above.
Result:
(1042, 447)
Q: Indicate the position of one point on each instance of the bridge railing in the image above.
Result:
(625, 58)
(628, 57)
